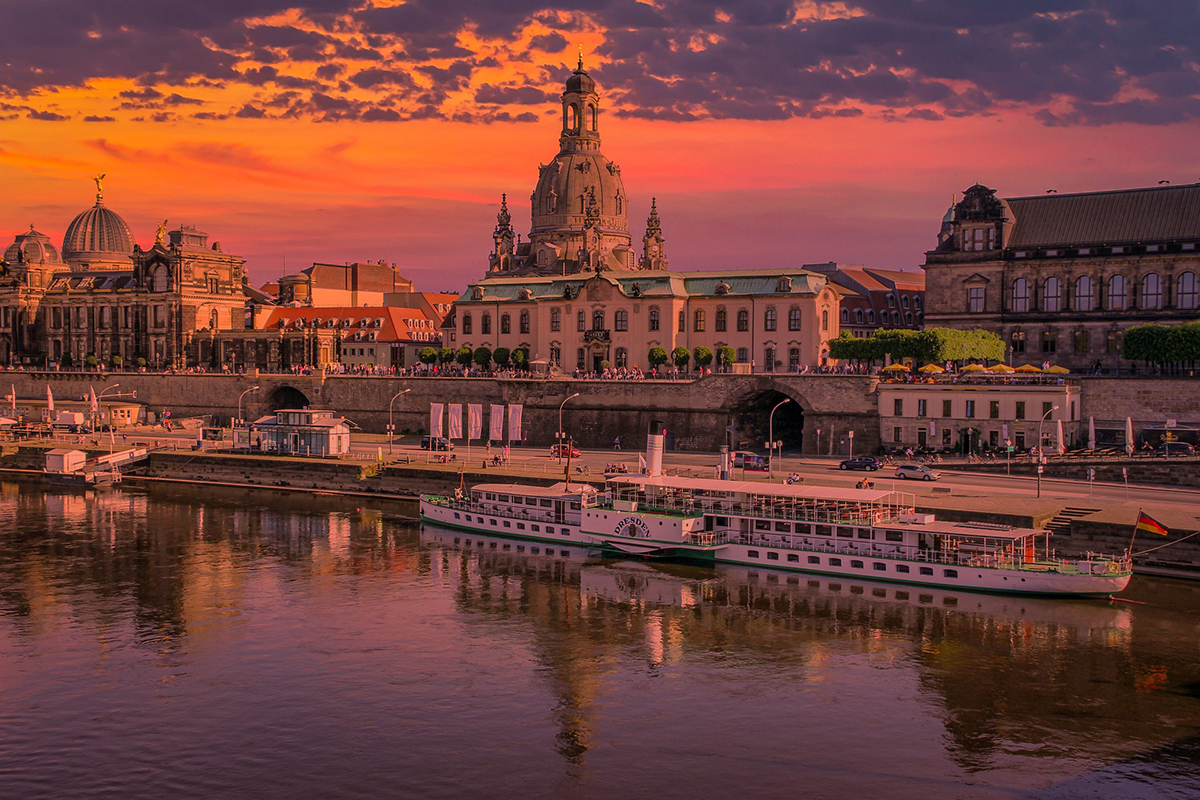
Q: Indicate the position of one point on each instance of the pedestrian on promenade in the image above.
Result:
(617, 443)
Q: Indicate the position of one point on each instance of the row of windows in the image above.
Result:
(1081, 341)
(621, 357)
(1154, 294)
(654, 322)
(877, 566)
(885, 317)
(969, 409)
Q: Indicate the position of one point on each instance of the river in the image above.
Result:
(200, 642)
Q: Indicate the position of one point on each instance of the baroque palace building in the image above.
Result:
(102, 296)
(577, 295)
(1060, 277)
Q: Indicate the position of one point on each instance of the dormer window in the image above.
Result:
(722, 288)
(982, 238)
(784, 284)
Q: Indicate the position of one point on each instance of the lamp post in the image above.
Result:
(561, 441)
(1041, 449)
(391, 427)
(240, 396)
(771, 436)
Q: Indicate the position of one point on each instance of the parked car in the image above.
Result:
(1176, 449)
(560, 451)
(870, 463)
(917, 472)
(436, 443)
(740, 457)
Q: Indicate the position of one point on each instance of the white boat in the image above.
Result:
(865, 533)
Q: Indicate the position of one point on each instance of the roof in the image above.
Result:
(96, 233)
(1155, 214)
(755, 487)
(555, 490)
(650, 283)
(365, 323)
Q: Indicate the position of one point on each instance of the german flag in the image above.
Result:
(1147, 524)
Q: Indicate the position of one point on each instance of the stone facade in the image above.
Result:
(1060, 277)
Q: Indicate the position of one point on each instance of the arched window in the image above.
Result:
(825, 319)
(555, 354)
(794, 358)
(858, 315)
(505, 323)
(720, 326)
(793, 319)
(1052, 294)
(654, 319)
(593, 110)
(904, 300)
(870, 316)
(698, 320)
(597, 320)
(845, 316)
(581, 321)
(1152, 291)
(466, 324)
(555, 319)
(743, 322)
(1118, 293)
(891, 298)
(622, 357)
(572, 119)
(524, 322)
(542, 258)
(1020, 295)
(916, 301)
(1085, 293)
(743, 355)
(769, 358)
(908, 318)
(1187, 294)
(620, 204)
(579, 358)
(485, 324)
(769, 321)
(895, 317)
(682, 320)
(621, 320)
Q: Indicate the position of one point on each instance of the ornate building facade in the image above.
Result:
(576, 295)
(1061, 276)
(105, 298)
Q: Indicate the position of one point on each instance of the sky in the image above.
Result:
(771, 133)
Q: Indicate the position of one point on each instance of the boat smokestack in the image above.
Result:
(655, 443)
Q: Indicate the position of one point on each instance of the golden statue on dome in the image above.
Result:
(99, 186)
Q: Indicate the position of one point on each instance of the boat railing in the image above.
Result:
(878, 515)
(539, 515)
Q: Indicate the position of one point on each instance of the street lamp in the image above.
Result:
(391, 427)
(240, 396)
(561, 441)
(1041, 448)
(771, 436)
(100, 402)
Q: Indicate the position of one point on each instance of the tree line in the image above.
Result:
(1175, 348)
(932, 345)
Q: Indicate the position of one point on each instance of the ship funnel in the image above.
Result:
(654, 453)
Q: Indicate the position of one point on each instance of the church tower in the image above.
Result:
(654, 252)
(501, 259)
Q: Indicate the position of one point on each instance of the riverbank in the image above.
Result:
(1072, 529)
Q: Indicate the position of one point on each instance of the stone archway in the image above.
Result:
(751, 418)
(287, 397)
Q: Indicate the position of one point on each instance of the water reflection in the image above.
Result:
(406, 653)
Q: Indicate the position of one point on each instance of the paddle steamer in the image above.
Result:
(866, 533)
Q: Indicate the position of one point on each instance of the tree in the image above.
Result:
(67, 361)
(482, 357)
(703, 357)
(501, 356)
(91, 361)
(428, 355)
(463, 356)
(726, 356)
(520, 358)
(657, 357)
(680, 356)
(117, 361)
(446, 355)
(141, 362)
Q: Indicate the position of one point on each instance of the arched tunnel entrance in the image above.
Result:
(287, 397)
(750, 422)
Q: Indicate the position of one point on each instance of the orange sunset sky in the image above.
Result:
(771, 133)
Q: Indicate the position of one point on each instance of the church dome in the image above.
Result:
(98, 234)
(32, 247)
(580, 81)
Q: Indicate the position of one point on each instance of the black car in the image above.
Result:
(436, 443)
(869, 463)
(1176, 449)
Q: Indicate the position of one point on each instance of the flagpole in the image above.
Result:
(1136, 520)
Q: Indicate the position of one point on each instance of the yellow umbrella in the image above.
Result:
(1001, 368)
(897, 367)
(1028, 368)
(1057, 370)
(973, 368)
(932, 368)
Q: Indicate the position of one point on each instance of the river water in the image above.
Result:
(183, 642)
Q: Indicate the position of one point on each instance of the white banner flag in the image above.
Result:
(496, 426)
(1004, 431)
(474, 421)
(435, 419)
(455, 421)
(514, 422)
(932, 428)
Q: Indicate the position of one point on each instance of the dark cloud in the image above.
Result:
(1071, 62)
(95, 118)
(47, 116)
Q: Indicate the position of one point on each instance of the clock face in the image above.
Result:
(653, 249)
